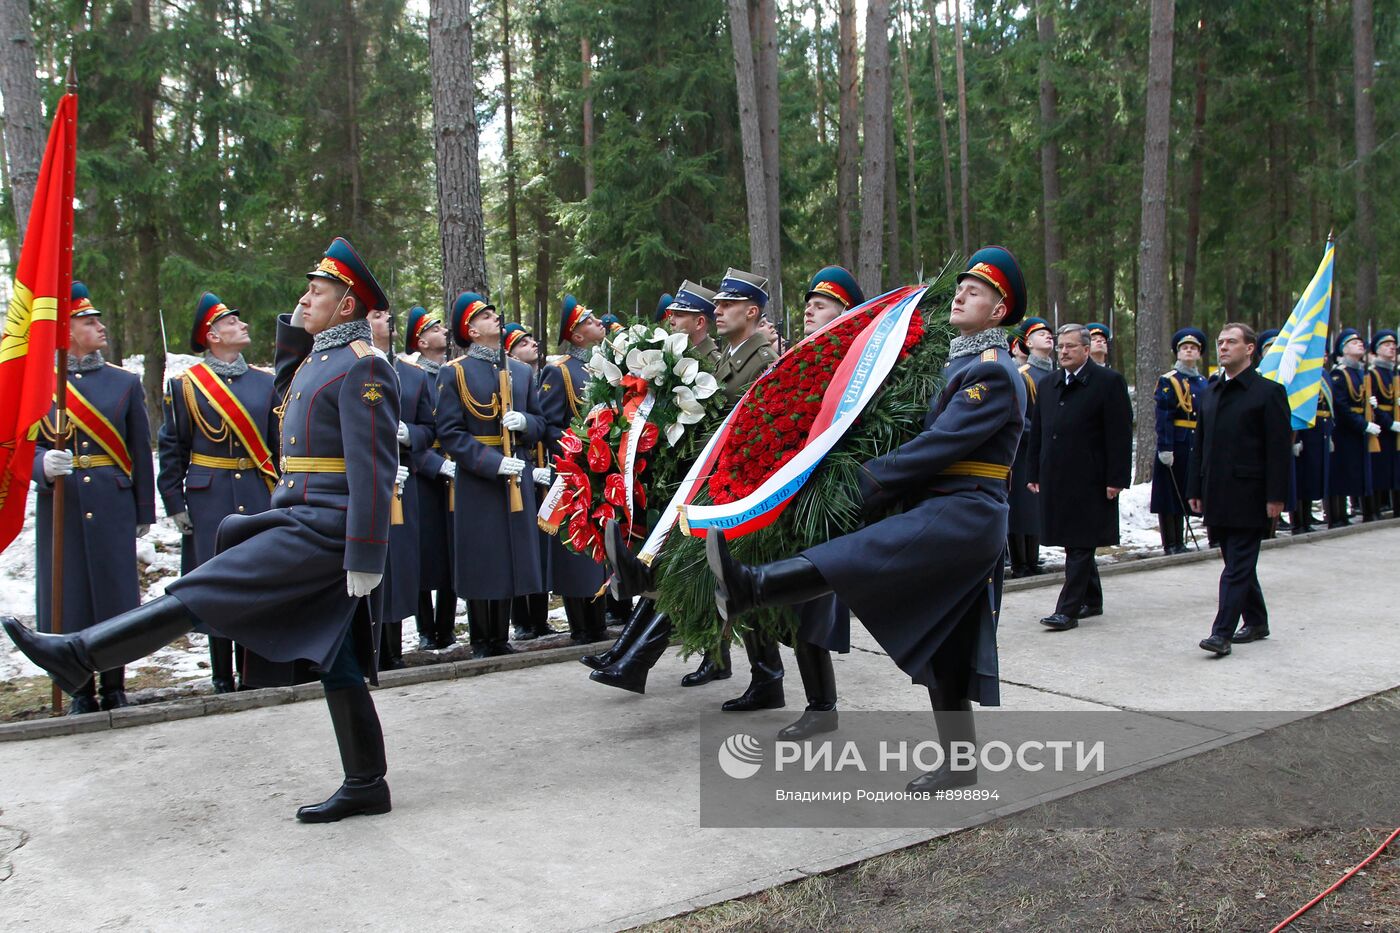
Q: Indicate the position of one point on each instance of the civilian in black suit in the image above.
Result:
(1080, 459)
(1238, 480)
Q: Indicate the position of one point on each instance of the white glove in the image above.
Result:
(142, 530)
(57, 463)
(1331, 447)
(404, 439)
(510, 466)
(1298, 449)
(1395, 426)
(1374, 403)
(513, 421)
(361, 584)
(542, 475)
(296, 315)
(1167, 457)
(182, 522)
(1372, 428)
(401, 476)
(448, 469)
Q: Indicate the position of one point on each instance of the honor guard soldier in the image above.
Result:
(217, 459)
(496, 551)
(926, 582)
(575, 578)
(397, 597)
(291, 582)
(426, 336)
(530, 614)
(611, 323)
(1311, 460)
(1100, 342)
(109, 499)
(1023, 518)
(1356, 434)
(1178, 398)
(1384, 383)
(746, 354)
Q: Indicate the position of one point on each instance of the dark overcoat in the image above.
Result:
(496, 551)
(277, 584)
(102, 505)
(1351, 464)
(1312, 466)
(434, 519)
(561, 401)
(402, 569)
(926, 581)
(1024, 518)
(1178, 404)
(1081, 444)
(209, 494)
(1384, 462)
(1243, 451)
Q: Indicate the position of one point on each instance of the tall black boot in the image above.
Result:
(618, 610)
(953, 718)
(426, 622)
(479, 626)
(361, 742)
(1337, 514)
(573, 613)
(539, 615)
(445, 627)
(71, 659)
(500, 628)
(111, 687)
(221, 664)
(522, 617)
(391, 646)
(765, 690)
(710, 669)
(630, 576)
(595, 618)
(739, 587)
(636, 622)
(819, 683)
(84, 699)
(629, 672)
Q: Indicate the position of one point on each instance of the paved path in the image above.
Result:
(536, 800)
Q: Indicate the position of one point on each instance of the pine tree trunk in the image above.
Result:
(512, 211)
(539, 201)
(894, 274)
(819, 72)
(755, 179)
(766, 88)
(142, 321)
(876, 133)
(461, 228)
(950, 225)
(1363, 68)
(352, 125)
(916, 259)
(586, 54)
(25, 133)
(1050, 157)
(1193, 193)
(848, 136)
(962, 126)
(1152, 254)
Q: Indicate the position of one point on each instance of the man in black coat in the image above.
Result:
(1238, 480)
(1081, 451)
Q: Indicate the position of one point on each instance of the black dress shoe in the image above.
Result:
(1060, 622)
(1088, 612)
(945, 778)
(115, 699)
(356, 797)
(1250, 633)
(812, 722)
(1215, 643)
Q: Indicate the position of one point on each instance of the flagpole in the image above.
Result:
(61, 429)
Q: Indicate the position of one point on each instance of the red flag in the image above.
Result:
(36, 322)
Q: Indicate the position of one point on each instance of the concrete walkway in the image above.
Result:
(536, 800)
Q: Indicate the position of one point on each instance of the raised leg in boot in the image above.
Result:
(819, 683)
(636, 622)
(739, 587)
(629, 672)
(765, 690)
(72, 659)
(360, 739)
(630, 576)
